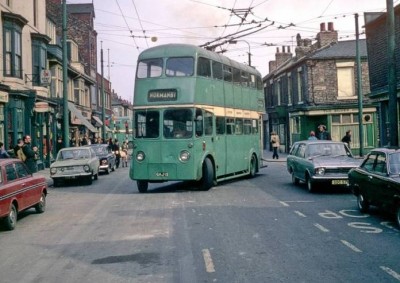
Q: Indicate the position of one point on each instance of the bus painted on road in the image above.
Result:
(197, 117)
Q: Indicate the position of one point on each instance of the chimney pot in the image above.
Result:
(277, 50)
(288, 49)
(283, 49)
(330, 26)
(322, 26)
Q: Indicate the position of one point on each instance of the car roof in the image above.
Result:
(4, 161)
(386, 149)
(318, 142)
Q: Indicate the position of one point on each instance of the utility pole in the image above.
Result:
(65, 76)
(248, 53)
(359, 89)
(103, 112)
(392, 84)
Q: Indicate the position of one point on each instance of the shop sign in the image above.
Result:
(42, 107)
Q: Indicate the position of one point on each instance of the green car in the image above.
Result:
(377, 181)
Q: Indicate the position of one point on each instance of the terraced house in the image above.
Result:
(317, 85)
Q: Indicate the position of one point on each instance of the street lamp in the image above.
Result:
(249, 53)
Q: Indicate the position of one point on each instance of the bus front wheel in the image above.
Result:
(207, 180)
(142, 186)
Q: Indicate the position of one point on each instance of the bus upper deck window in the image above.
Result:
(203, 67)
(149, 68)
(180, 67)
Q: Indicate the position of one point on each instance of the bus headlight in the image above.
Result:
(320, 171)
(140, 156)
(184, 156)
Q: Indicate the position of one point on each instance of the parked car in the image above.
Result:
(106, 157)
(320, 162)
(19, 190)
(74, 163)
(377, 181)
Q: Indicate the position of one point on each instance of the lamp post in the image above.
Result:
(248, 53)
(65, 76)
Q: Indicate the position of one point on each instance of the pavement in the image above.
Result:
(267, 157)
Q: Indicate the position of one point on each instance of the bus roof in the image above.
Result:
(177, 49)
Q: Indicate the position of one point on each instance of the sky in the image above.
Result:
(127, 27)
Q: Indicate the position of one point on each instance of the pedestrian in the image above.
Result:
(30, 153)
(3, 152)
(347, 138)
(322, 133)
(124, 154)
(117, 153)
(275, 145)
(312, 136)
(18, 148)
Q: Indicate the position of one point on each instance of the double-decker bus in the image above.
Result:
(197, 116)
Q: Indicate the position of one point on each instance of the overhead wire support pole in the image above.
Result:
(359, 89)
(103, 111)
(65, 76)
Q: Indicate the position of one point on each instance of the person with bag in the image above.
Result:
(275, 145)
(30, 153)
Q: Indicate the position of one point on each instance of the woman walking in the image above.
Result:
(275, 145)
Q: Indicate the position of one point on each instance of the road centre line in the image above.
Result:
(299, 213)
(351, 246)
(283, 203)
(391, 272)
(208, 261)
(320, 227)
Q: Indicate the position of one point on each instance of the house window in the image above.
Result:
(39, 59)
(56, 81)
(79, 92)
(345, 78)
(12, 47)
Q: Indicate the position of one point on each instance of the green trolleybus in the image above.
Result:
(197, 116)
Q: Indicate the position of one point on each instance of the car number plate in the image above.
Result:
(162, 174)
(340, 182)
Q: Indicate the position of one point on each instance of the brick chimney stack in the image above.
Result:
(282, 57)
(326, 37)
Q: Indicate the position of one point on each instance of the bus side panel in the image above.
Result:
(237, 96)
(237, 154)
(220, 155)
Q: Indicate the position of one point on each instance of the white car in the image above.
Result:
(75, 163)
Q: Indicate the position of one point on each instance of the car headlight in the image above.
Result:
(320, 171)
(104, 161)
(86, 168)
(184, 156)
(53, 170)
(140, 156)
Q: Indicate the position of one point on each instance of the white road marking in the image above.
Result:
(391, 272)
(208, 261)
(299, 213)
(320, 227)
(351, 246)
(284, 203)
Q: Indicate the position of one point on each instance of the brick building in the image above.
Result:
(377, 39)
(317, 85)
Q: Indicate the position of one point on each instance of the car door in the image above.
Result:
(363, 175)
(32, 192)
(15, 188)
(301, 163)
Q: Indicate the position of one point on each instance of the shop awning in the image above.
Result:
(98, 121)
(82, 119)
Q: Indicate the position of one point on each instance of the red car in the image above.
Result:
(19, 190)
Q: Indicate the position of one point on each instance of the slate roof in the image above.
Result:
(342, 49)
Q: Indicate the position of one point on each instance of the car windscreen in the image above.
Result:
(326, 149)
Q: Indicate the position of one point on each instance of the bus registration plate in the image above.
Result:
(162, 174)
(340, 182)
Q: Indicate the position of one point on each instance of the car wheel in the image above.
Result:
(253, 166)
(40, 207)
(362, 203)
(310, 185)
(96, 176)
(142, 186)
(11, 219)
(207, 181)
(295, 180)
(398, 216)
(113, 167)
